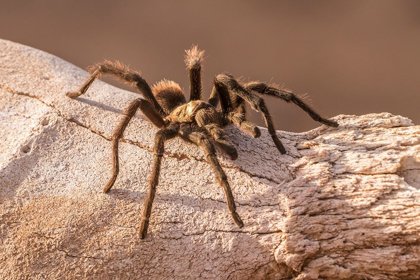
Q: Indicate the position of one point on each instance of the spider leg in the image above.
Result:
(193, 60)
(122, 72)
(211, 121)
(229, 88)
(287, 96)
(237, 117)
(202, 141)
(214, 97)
(161, 136)
(235, 112)
(220, 93)
(148, 110)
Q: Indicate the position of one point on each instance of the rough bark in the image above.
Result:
(343, 203)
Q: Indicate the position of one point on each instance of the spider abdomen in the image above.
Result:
(168, 94)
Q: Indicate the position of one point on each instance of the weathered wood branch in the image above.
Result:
(341, 204)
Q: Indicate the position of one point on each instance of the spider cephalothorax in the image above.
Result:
(196, 121)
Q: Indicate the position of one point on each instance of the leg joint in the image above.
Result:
(221, 177)
(226, 80)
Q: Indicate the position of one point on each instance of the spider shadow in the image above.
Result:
(170, 233)
(100, 105)
(23, 166)
(15, 172)
(138, 197)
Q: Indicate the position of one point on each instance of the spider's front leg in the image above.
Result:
(232, 96)
(161, 136)
(211, 121)
(202, 141)
(193, 60)
(288, 96)
(234, 110)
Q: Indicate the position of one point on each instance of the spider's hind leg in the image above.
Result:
(122, 72)
(202, 141)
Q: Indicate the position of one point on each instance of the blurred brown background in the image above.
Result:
(351, 57)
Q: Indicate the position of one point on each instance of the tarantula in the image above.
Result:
(196, 121)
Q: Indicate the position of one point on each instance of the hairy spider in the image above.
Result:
(196, 121)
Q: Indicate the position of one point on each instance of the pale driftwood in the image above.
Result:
(342, 204)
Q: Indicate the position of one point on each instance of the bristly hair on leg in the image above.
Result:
(194, 57)
(305, 97)
(127, 75)
(193, 60)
